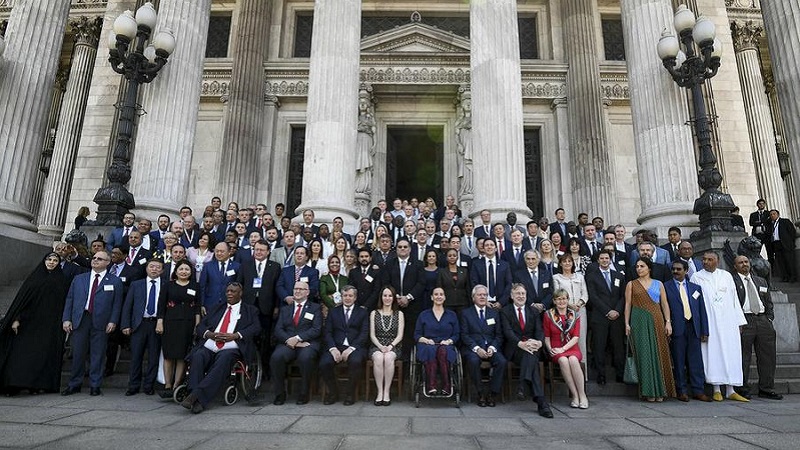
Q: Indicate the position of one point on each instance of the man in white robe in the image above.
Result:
(722, 353)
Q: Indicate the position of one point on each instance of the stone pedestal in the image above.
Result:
(715, 242)
(786, 329)
(332, 111)
(165, 137)
(498, 145)
(33, 47)
(86, 32)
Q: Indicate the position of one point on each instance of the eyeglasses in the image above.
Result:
(402, 246)
(99, 259)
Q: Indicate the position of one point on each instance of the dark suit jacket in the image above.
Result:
(786, 232)
(356, 330)
(506, 245)
(195, 236)
(672, 254)
(368, 287)
(585, 249)
(481, 232)
(135, 304)
(247, 326)
(107, 300)
(477, 275)
(377, 257)
(412, 280)
(528, 245)
(514, 263)
(138, 265)
(763, 293)
(285, 286)
(483, 334)
(759, 219)
(544, 290)
(514, 334)
(309, 328)
(556, 227)
(602, 299)
(415, 252)
(696, 305)
(71, 270)
(264, 297)
(213, 282)
(659, 272)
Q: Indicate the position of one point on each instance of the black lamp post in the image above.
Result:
(139, 63)
(691, 61)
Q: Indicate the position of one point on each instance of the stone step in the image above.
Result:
(782, 386)
(782, 372)
(788, 358)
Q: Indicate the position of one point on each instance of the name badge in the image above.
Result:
(108, 288)
(304, 279)
(191, 292)
(489, 321)
(696, 295)
(545, 285)
(463, 264)
(230, 273)
(435, 245)
(143, 261)
(368, 278)
(762, 289)
(337, 298)
(616, 282)
(308, 316)
(123, 279)
(621, 262)
(256, 283)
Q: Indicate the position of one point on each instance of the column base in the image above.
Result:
(52, 231)
(499, 211)
(15, 215)
(660, 218)
(325, 212)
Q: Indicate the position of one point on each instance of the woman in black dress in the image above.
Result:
(430, 276)
(31, 337)
(454, 279)
(178, 315)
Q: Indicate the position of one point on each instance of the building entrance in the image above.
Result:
(414, 162)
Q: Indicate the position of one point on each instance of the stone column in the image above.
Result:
(271, 105)
(365, 148)
(331, 132)
(560, 162)
(665, 155)
(165, 136)
(782, 24)
(244, 125)
(498, 145)
(759, 119)
(33, 47)
(86, 32)
(593, 177)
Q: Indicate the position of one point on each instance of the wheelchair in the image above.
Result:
(417, 379)
(244, 380)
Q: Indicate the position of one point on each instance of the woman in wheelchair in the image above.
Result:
(561, 334)
(436, 334)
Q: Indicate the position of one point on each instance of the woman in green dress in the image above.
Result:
(330, 285)
(647, 323)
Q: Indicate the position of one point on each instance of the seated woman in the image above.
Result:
(561, 335)
(386, 334)
(436, 334)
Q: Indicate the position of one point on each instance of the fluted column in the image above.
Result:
(266, 155)
(593, 179)
(782, 24)
(33, 46)
(86, 32)
(244, 124)
(497, 123)
(165, 136)
(759, 119)
(331, 132)
(665, 155)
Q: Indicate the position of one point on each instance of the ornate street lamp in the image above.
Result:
(691, 60)
(131, 56)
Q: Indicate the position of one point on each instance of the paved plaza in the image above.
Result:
(141, 422)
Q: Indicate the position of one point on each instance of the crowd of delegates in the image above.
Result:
(412, 276)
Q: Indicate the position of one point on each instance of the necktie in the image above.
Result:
(481, 314)
(258, 224)
(221, 267)
(607, 276)
(296, 318)
(752, 295)
(691, 269)
(535, 280)
(92, 292)
(500, 247)
(402, 272)
(297, 271)
(127, 230)
(687, 312)
(675, 248)
(469, 242)
(491, 278)
(516, 254)
(594, 247)
(347, 315)
(258, 269)
(129, 259)
(521, 318)
(225, 322)
(151, 299)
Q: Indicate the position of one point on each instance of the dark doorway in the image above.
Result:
(533, 172)
(414, 163)
(294, 181)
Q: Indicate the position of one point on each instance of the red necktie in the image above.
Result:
(95, 284)
(521, 319)
(129, 259)
(225, 322)
(296, 318)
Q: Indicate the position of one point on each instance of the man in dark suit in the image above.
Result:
(560, 225)
(514, 256)
(119, 235)
(589, 242)
(758, 334)
(606, 288)
(524, 339)
(420, 246)
(659, 272)
(259, 279)
(217, 275)
(689, 327)
(91, 312)
(298, 271)
(493, 273)
(297, 334)
(531, 239)
(674, 236)
(308, 222)
(406, 277)
(384, 253)
(136, 257)
(538, 283)
(366, 277)
(759, 219)
(499, 238)
(347, 338)
(781, 233)
(463, 260)
(482, 338)
(484, 229)
(228, 334)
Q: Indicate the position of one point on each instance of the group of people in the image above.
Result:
(415, 276)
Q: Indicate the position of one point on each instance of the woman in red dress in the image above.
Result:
(561, 335)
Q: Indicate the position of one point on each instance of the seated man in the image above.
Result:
(346, 338)
(229, 331)
(297, 332)
(482, 336)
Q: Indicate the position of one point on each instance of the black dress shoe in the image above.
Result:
(520, 395)
(197, 408)
(94, 392)
(189, 401)
(301, 400)
(620, 379)
(490, 401)
(70, 391)
(482, 402)
(601, 380)
(329, 400)
(130, 392)
(545, 412)
(770, 395)
(378, 403)
(279, 399)
(348, 401)
(387, 403)
(150, 391)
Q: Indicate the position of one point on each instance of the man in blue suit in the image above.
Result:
(346, 337)
(494, 273)
(227, 334)
(119, 235)
(298, 271)
(139, 322)
(482, 337)
(538, 282)
(91, 312)
(514, 256)
(217, 275)
(689, 328)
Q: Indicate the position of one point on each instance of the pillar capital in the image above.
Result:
(86, 30)
(746, 35)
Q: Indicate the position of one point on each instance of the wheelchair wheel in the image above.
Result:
(231, 395)
(179, 393)
(250, 380)
(412, 377)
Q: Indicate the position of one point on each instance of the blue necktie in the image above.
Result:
(482, 316)
(491, 279)
(608, 279)
(151, 299)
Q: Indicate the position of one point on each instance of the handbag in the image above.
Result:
(631, 376)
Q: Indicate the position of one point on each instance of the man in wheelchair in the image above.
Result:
(228, 334)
